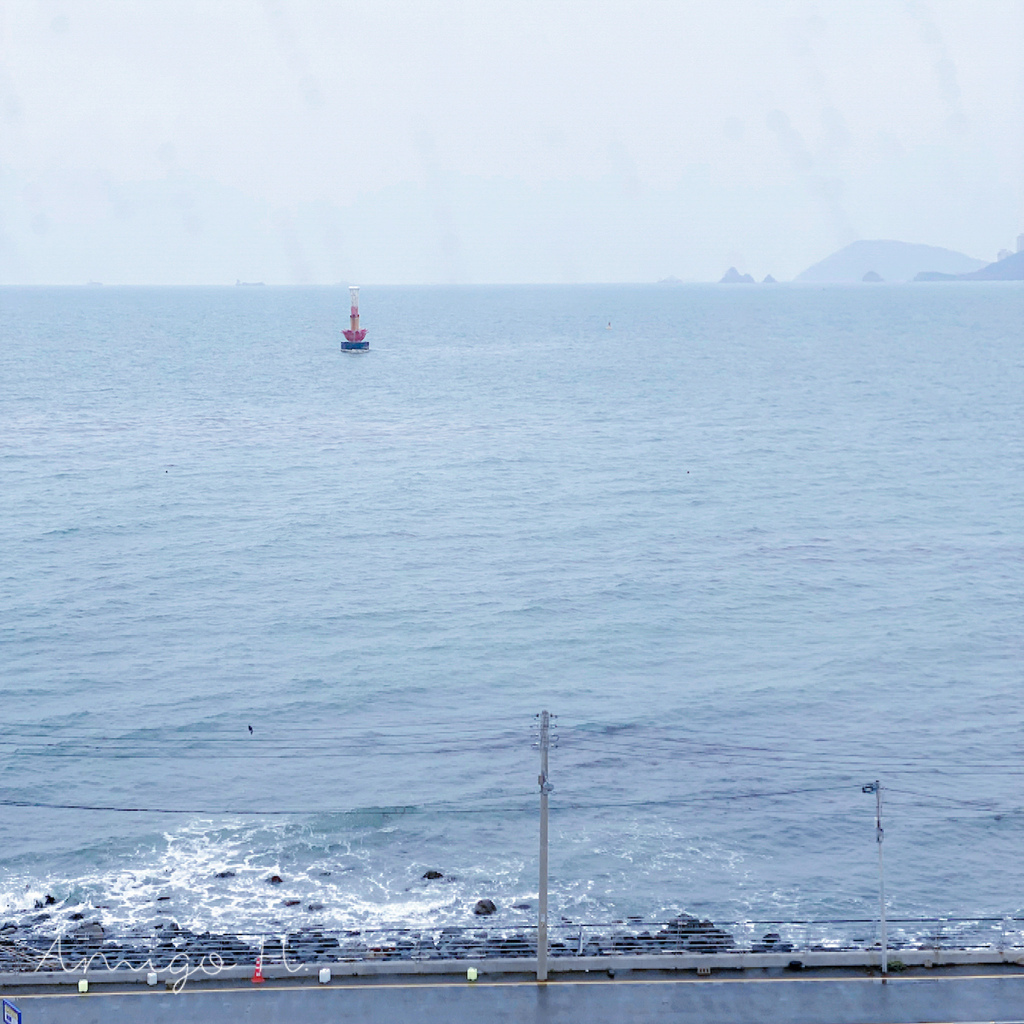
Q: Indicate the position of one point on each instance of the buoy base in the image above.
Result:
(352, 346)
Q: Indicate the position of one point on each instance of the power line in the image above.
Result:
(772, 755)
(444, 808)
(363, 747)
(424, 739)
(246, 812)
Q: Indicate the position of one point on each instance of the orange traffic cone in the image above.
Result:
(257, 975)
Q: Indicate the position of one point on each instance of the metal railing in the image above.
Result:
(91, 948)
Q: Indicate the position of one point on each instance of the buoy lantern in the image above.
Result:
(355, 337)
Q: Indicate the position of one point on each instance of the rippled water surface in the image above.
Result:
(754, 547)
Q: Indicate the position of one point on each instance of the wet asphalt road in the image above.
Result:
(760, 1000)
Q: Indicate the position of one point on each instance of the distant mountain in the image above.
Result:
(1010, 269)
(733, 276)
(893, 261)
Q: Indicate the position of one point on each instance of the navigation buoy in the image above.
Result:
(354, 336)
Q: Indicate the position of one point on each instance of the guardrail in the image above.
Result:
(176, 950)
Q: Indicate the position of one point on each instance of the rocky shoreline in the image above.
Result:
(91, 944)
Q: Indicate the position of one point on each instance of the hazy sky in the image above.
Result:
(199, 141)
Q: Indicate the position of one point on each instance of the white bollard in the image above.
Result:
(471, 974)
(83, 986)
(151, 978)
(325, 975)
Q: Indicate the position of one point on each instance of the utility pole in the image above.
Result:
(542, 902)
(876, 788)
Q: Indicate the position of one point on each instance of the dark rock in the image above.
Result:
(76, 916)
(232, 950)
(453, 944)
(627, 944)
(522, 906)
(484, 908)
(224, 874)
(683, 924)
(772, 943)
(162, 899)
(315, 906)
(291, 903)
(311, 948)
(686, 933)
(715, 942)
(275, 879)
(510, 945)
(432, 874)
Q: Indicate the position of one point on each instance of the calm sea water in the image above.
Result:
(754, 547)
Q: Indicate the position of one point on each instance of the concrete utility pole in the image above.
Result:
(876, 788)
(542, 902)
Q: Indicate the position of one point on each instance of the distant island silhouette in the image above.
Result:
(1009, 268)
(889, 260)
(733, 276)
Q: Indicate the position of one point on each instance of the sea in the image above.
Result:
(271, 608)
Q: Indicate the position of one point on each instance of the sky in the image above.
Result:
(490, 141)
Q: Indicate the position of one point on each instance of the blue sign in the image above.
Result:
(12, 1015)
